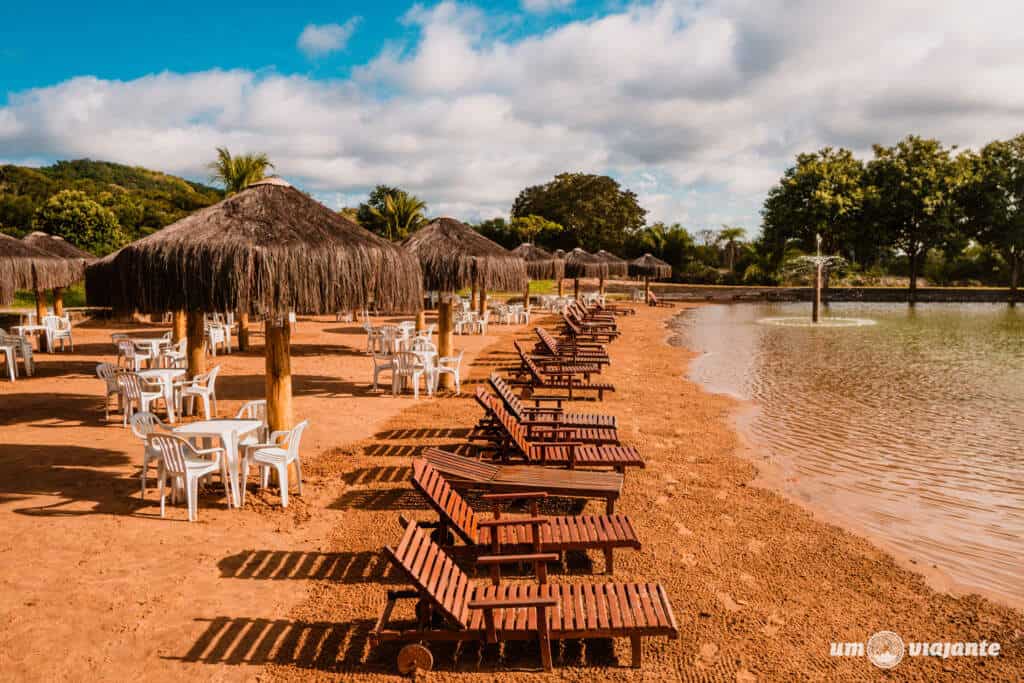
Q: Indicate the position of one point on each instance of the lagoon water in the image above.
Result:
(910, 429)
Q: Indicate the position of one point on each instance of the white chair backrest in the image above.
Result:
(253, 410)
(406, 361)
(144, 424)
(130, 384)
(423, 344)
(108, 373)
(173, 449)
(125, 348)
(209, 378)
(295, 436)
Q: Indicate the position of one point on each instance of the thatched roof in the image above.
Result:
(23, 266)
(268, 249)
(559, 253)
(454, 255)
(579, 263)
(540, 264)
(650, 267)
(617, 267)
(61, 248)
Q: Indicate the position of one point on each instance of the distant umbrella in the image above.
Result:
(540, 264)
(23, 266)
(617, 267)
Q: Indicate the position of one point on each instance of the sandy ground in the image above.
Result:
(96, 586)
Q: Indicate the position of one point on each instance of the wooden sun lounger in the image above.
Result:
(470, 474)
(578, 333)
(558, 449)
(536, 378)
(653, 300)
(520, 534)
(449, 607)
(556, 413)
(569, 351)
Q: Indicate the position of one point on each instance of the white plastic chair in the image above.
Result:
(175, 356)
(144, 424)
(108, 373)
(216, 335)
(132, 355)
(203, 387)
(22, 349)
(480, 324)
(58, 329)
(381, 363)
(182, 463)
(253, 410)
(281, 450)
(449, 365)
(410, 368)
(10, 353)
(137, 396)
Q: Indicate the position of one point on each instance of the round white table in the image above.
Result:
(166, 377)
(152, 345)
(229, 431)
(25, 331)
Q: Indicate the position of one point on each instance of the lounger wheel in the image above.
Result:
(414, 657)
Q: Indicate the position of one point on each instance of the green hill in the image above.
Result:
(142, 200)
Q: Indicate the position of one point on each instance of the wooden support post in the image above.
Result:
(561, 281)
(278, 374)
(600, 285)
(421, 320)
(58, 301)
(444, 335)
(40, 306)
(816, 304)
(647, 290)
(179, 326)
(243, 330)
(526, 295)
(196, 331)
(576, 288)
(472, 297)
(483, 301)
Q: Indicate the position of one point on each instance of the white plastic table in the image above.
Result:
(166, 377)
(24, 331)
(152, 345)
(229, 431)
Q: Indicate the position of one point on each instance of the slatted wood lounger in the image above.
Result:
(558, 452)
(576, 353)
(541, 428)
(519, 534)
(591, 321)
(449, 607)
(470, 474)
(556, 413)
(578, 333)
(562, 381)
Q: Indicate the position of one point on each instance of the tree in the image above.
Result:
(913, 190)
(993, 202)
(594, 210)
(81, 221)
(236, 173)
(731, 236)
(391, 212)
(350, 213)
(535, 229)
(823, 194)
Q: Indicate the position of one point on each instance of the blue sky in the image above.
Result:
(697, 105)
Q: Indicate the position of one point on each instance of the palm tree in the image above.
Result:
(235, 173)
(732, 237)
(402, 214)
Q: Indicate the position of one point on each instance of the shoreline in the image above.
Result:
(774, 477)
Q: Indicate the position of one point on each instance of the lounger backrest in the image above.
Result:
(508, 422)
(547, 340)
(508, 397)
(528, 362)
(446, 501)
(460, 466)
(433, 572)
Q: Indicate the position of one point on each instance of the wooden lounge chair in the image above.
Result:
(540, 428)
(519, 534)
(467, 474)
(558, 449)
(653, 300)
(568, 350)
(449, 607)
(553, 367)
(613, 308)
(591, 321)
(577, 333)
(566, 380)
(556, 413)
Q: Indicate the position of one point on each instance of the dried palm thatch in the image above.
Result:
(454, 255)
(61, 248)
(22, 266)
(579, 263)
(648, 266)
(540, 264)
(617, 267)
(269, 249)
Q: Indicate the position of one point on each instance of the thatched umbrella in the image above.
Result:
(649, 267)
(454, 255)
(60, 248)
(579, 263)
(617, 267)
(269, 249)
(23, 266)
(540, 265)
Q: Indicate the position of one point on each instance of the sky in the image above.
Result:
(696, 105)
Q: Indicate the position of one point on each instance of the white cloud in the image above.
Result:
(543, 6)
(699, 107)
(319, 40)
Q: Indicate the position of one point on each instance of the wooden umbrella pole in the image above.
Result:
(600, 286)
(279, 374)
(243, 330)
(472, 297)
(196, 330)
(576, 288)
(40, 306)
(421, 320)
(483, 301)
(444, 334)
(526, 295)
(58, 302)
(560, 283)
(647, 289)
(179, 326)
